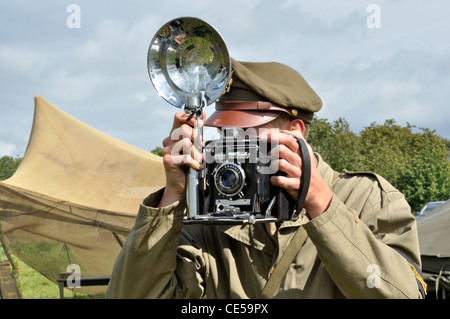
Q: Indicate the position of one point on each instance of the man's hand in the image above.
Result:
(319, 195)
(179, 154)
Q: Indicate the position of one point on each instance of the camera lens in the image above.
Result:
(229, 179)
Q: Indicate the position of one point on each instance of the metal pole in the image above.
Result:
(195, 184)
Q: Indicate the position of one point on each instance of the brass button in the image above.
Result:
(271, 271)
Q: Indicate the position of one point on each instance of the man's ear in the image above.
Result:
(297, 125)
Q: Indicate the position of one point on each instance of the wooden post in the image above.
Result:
(14, 274)
(7, 287)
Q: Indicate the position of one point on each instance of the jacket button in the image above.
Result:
(271, 271)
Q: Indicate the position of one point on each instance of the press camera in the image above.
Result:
(233, 178)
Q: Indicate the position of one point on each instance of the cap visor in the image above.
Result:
(243, 119)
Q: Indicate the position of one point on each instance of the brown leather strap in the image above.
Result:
(250, 106)
(262, 106)
(305, 179)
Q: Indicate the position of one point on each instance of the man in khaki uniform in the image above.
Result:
(361, 237)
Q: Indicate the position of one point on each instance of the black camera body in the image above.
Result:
(237, 187)
(234, 179)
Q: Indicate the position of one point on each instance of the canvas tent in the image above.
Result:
(75, 195)
(434, 240)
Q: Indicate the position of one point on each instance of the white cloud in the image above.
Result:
(140, 96)
(8, 149)
(19, 60)
(70, 87)
(409, 87)
(327, 11)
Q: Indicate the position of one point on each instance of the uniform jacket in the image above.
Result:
(356, 249)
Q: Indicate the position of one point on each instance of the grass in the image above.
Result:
(36, 286)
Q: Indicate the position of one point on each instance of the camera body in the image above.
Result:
(237, 187)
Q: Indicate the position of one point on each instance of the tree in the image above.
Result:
(336, 143)
(426, 175)
(8, 166)
(157, 151)
(414, 160)
(415, 163)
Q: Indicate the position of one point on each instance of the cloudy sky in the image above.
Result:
(367, 65)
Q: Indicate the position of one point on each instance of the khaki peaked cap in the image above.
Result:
(259, 92)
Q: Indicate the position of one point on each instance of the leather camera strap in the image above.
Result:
(306, 174)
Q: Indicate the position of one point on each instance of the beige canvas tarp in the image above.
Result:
(434, 239)
(75, 195)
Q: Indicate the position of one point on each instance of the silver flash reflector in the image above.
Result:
(189, 66)
(188, 62)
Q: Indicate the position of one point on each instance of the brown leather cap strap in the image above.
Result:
(264, 106)
(249, 106)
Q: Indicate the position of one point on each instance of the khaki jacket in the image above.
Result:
(352, 250)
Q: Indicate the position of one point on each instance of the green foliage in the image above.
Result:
(414, 160)
(38, 253)
(8, 166)
(157, 151)
(35, 286)
(338, 146)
